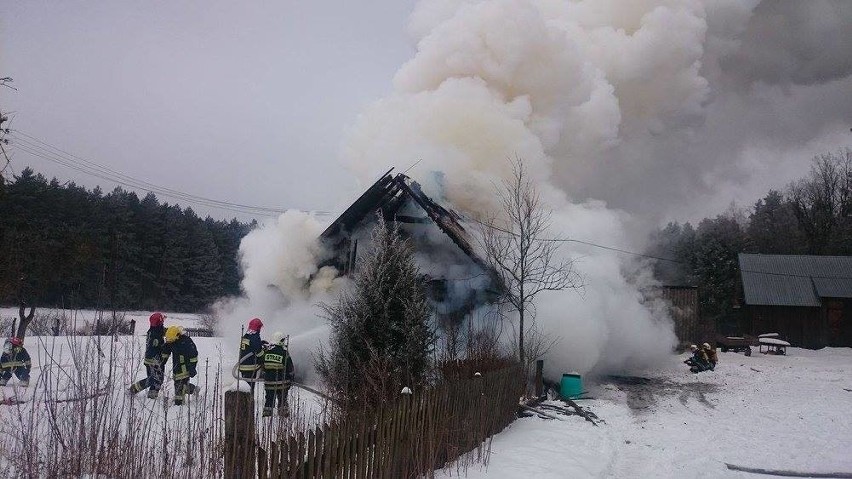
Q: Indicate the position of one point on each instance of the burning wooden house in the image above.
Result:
(459, 279)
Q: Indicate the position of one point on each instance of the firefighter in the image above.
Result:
(712, 357)
(698, 362)
(277, 373)
(184, 361)
(15, 359)
(154, 359)
(251, 352)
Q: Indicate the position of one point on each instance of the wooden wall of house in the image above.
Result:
(803, 327)
(689, 327)
(838, 321)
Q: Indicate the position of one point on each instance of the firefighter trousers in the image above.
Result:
(21, 372)
(276, 395)
(153, 381)
(182, 388)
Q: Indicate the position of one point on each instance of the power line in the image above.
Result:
(70, 165)
(571, 240)
(101, 171)
(41, 149)
(619, 250)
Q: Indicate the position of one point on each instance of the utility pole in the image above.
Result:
(3, 142)
(4, 81)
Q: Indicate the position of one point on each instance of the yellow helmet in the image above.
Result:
(172, 333)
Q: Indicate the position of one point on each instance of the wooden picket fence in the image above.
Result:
(410, 438)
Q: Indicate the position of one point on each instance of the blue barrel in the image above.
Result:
(571, 386)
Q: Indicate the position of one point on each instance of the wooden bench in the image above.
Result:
(773, 345)
(736, 344)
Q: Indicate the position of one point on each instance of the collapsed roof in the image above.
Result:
(387, 195)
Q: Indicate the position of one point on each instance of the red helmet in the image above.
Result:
(255, 324)
(16, 341)
(157, 319)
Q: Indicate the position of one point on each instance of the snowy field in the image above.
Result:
(216, 357)
(772, 412)
(82, 381)
(789, 412)
(80, 318)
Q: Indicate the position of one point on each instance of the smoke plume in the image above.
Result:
(625, 113)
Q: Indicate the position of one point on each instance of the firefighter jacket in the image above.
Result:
(184, 357)
(712, 356)
(251, 352)
(154, 346)
(699, 358)
(277, 367)
(18, 357)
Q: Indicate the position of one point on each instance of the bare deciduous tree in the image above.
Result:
(822, 202)
(25, 318)
(522, 254)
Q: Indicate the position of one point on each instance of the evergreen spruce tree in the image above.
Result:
(381, 333)
(71, 247)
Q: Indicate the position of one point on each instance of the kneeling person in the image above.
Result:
(712, 357)
(15, 359)
(277, 373)
(184, 361)
(698, 362)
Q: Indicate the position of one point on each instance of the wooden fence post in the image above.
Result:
(239, 435)
(539, 385)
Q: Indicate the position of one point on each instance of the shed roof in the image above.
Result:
(794, 280)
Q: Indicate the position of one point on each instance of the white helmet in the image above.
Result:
(693, 347)
(277, 337)
(706, 346)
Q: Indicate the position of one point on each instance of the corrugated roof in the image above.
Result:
(794, 280)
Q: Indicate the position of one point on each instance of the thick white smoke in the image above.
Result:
(283, 286)
(555, 84)
(622, 111)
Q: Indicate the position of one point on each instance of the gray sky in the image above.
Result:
(239, 101)
(249, 102)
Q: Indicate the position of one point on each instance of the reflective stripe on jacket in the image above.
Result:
(277, 368)
(17, 358)
(251, 352)
(184, 357)
(154, 346)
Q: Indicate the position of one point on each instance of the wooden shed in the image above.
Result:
(806, 299)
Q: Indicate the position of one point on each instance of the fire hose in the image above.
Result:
(235, 371)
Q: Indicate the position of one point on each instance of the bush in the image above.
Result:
(109, 325)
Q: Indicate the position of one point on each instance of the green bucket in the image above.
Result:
(571, 386)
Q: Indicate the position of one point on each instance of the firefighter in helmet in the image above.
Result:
(184, 361)
(277, 374)
(251, 352)
(15, 359)
(154, 360)
(712, 357)
(698, 361)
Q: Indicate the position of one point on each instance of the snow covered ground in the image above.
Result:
(773, 412)
(789, 412)
(66, 391)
